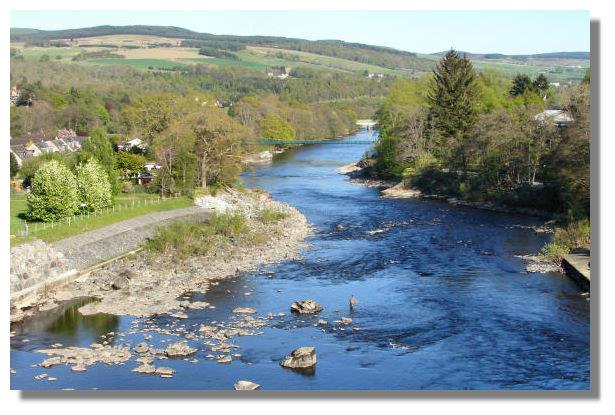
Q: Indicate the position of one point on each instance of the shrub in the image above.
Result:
(574, 235)
(93, 185)
(54, 193)
(185, 238)
(270, 215)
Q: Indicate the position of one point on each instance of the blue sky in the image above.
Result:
(513, 32)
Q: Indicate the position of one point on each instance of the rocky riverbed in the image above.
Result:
(145, 284)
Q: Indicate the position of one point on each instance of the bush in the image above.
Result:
(54, 193)
(270, 215)
(185, 238)
(93, 185)
(574, 235)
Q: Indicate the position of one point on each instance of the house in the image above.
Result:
(556, 115)
(24, 151)
(30, 145)
(133, 143)
(150, 166)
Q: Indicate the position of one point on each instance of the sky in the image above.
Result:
(508, 32)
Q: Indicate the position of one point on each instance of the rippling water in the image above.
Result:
(443, 303)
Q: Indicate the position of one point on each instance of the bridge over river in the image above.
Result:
(369, 124)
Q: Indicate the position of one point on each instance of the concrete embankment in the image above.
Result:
(577, 266)
(144, 284)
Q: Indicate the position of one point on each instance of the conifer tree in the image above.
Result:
(452, 100)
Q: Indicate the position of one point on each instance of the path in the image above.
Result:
(89, 248)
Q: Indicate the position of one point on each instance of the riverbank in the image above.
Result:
(358, 174)
(145, 284)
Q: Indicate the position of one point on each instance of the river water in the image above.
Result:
(443, 301)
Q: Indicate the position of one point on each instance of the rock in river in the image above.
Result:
(240, 310)
(301, 358)
(305, 307)
(141, 348)
(246, 385)
(179, 349)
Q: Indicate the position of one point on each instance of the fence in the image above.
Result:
(33, 227)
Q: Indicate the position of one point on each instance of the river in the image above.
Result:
(443, 301)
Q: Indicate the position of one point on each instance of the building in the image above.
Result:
(132, 143)
(556, 115)
(31, 145)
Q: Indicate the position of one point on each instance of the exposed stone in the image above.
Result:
(141, 348)
(305, 307)
(246, 385)
(164, 371)
(179, 349)
(179, 314)
(225, 359)
(240, 310)
(119, 282)
(301, 358)
(346, 320)
(52, 361)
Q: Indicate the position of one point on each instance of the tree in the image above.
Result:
(540, 84)
(452, 100)
(129, 164)
(93, 185)
(220, 143)
(99, 147)
(54, 193)
(276, 127)
(521, 84)
(14, 166)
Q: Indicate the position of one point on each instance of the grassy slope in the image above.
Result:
(126, 207)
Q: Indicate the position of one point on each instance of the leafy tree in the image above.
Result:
(14, 166)
(54, 193)
(452, 101)
(129, 164)
(276, 127)
(220, 143)
(99, 147)
(93, 185)
(521, 84)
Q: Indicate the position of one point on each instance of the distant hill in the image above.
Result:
(357, 52)
(546, 56)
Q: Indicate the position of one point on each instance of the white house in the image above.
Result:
(558, 117)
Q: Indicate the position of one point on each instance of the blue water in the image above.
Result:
(443, 303)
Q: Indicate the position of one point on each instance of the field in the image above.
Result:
(554, 69)
(126, 207)
(292, 57)
(149, 52)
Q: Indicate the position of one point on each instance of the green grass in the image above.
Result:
(138, 63)
(229, 62)
(270, 215)
(189, 237)
(126, 207)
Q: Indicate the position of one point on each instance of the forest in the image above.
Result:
(480, 137)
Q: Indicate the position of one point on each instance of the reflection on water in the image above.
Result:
(72, 321)
(66, 324)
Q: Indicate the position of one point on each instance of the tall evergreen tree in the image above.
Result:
(521, 83)
(452, 100)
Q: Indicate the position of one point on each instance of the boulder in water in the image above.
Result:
(246, 385)
(301, 358)
(305, 307)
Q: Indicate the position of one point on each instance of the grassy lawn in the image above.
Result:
(126, 207)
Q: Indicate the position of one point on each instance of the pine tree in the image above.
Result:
(521, 84)
(452, 99)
